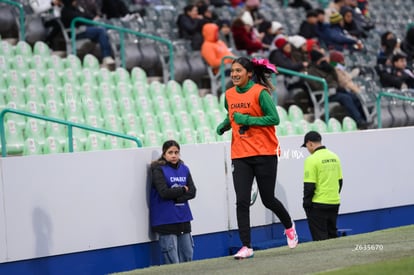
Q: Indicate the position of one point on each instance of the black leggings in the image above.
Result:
(264, 168)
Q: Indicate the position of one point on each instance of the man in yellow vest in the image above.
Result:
(322, 184)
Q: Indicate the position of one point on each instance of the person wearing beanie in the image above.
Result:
(299, 49)
(244, 36)
(338, 38)
(345, 81)
(320, 67)
(282, 56)
(333, 7)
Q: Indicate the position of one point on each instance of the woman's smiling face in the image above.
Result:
(239, 75)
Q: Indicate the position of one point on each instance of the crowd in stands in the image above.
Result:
(320, 43)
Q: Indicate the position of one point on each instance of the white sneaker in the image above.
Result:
(244, 253)
(108, 61)
(292, 236)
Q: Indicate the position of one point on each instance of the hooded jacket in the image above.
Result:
(243, 39)
(213, 49)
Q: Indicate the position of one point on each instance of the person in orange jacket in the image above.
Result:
(213, 49)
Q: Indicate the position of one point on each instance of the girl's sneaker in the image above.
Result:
(292, 236)
(244, 253)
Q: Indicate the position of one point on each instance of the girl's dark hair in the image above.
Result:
(261, 74)
(168, 144)
(188, 8)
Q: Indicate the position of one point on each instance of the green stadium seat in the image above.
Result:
(133, 125)
(283, 115)
(32, 147)
(39, 63)
(35, 129)
(177, 103)
(289, 128)
(78, 145)
(3, 103)
(210, 103)
(167, 121)
(206, 134)
(16, 94)
(52, 92)
(106, 90)
(35, 93)
(105, 76)
(91, 62)
(152, 139)
(126, 106)
(173, 88)
(184, 120)
(23, 48)
(88, 76)
(14, 138)
(41, 48)
(138, 76)
(201, 118)
(190, 88)
(35, 108)
(302, 127)
(334, 126)
(53, 146)
(157, 89)
(281, 130)
(320, 126)
(33, 76)
(169, 134)
(56, 63)
(124, 89)
(121, 75)
(15, 78)
(70, 76)
(113, 142)
(91, 106)
(94, 120)
(19, 120)
(140, 90)
(109, 106)
(143, 105)
(194, 102)
(73, 109)
(149, 122)
(188, 136)
(51, 76)
(89, 91)
(216, 117)
(19, 63)
(95, 142)
(70, 92)
(73, 62)
(348, 124)
(295, 113)
(160, 104)
(6, 48)
(4, 64)
(56, 130)
(113, 122)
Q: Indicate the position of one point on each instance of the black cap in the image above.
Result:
(312, 136)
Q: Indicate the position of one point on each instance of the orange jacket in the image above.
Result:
(213, 49)
(256, 140)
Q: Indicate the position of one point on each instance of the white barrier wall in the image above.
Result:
(64, 203)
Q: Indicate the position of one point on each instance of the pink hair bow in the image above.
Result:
(265, 63)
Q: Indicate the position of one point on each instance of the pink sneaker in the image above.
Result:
(244, 253)
(292, 236)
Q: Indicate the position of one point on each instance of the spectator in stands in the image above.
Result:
(281, 57)
(207, 13)
(213, 49)
(99, 35)
(307, 28)
(320, 67)
(301, 4)
(339, 39)
(389, 46)
(322, 179)
(189, 26)
(350, 25)
(270, 30)
(118, 9)
(245, 38)
(51, 23)
(299, 49)
(345, 78)
(91, 8)
(172, 187)
(225, 32)
(397, 75)
(252, 7)
(322, 28)
(407, 46)
(362, 21)
(252, 116)
(333, 7)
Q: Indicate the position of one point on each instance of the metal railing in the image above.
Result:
(288, 72)
(378, 103)
(122, 32)
(22, 15)
(69, 124)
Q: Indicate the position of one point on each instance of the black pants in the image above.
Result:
(264, 168)
(322, 222)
